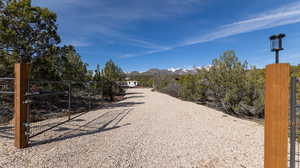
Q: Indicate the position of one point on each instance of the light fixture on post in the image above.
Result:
(276, 45)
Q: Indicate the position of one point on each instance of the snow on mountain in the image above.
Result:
(170, 71)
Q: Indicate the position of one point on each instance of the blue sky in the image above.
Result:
(143, 34)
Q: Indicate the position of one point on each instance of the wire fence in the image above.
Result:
(52, 103)
(6, 100)
(62, 99)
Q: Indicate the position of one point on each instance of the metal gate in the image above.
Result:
(6, 107)
(53, 103)
(6, 99)
(45, 100)
(294, 125)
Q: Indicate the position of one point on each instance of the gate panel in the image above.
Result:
(47, 100)
(6, 108)
(6, 100)
(54, 103)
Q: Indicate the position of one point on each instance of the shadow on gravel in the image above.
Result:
(105, 122)
(132, 97)
(122, 104)
(6, 131)
(133, 93)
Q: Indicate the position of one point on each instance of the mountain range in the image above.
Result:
(171, 71)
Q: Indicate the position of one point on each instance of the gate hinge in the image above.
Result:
(293, 124)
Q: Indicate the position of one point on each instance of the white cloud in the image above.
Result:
(109, 19)
(294, 59)
(287, 14)
(78, 43)
(144, 44)
(160, 49)
(129, 10)
(284, 15)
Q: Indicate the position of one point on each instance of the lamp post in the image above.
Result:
(276, 45)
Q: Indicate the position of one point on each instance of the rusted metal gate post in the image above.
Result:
(21, 84)
(276, 115)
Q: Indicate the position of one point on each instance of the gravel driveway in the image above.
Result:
(147, 129)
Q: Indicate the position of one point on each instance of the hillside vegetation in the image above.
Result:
(228, 84)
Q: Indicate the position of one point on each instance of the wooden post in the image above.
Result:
(21, 84)
(276, 115)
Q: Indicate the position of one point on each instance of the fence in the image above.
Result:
(31, 104)
(294, 124)
(6, 100)
(60, 99)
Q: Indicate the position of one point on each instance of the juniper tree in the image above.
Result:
(111, 73)
(25, 32)
(26, 28)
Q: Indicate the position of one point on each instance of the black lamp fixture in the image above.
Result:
(276, 45)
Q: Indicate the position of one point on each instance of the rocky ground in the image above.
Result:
(147, 129)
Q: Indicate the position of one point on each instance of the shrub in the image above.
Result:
(228, 83)
(238, 89)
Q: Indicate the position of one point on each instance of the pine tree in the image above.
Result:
(27, 31)
(111, 74)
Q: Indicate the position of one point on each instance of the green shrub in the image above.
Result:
(234, 86)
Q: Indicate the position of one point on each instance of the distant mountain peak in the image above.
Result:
(173, 69)
(170, 71)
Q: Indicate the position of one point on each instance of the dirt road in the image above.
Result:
(147, 129)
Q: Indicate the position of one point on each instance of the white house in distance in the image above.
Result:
(130, 84)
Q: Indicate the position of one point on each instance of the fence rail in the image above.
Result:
(48, 101)
(6, 78)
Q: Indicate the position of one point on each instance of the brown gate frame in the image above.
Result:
(21, 109)
(276, 115)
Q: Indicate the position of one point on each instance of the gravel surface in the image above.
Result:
(147, 129)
